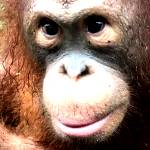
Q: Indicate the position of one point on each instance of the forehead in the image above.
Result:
(65, 2)
(70, 5)
(72, 9)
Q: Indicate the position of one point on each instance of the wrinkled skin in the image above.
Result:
(54, 82)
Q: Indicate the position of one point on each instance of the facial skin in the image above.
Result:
(77, 72)
(93, 97)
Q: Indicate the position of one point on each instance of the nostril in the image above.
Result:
(85, 71)
(62, 70)
(75, 72)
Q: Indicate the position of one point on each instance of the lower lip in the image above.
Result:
(83, 131)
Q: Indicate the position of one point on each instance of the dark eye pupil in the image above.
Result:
(95, 24)
(49, 27)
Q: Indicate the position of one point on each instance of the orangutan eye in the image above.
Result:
(48, 33)
(95, 24)
(49, 27)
